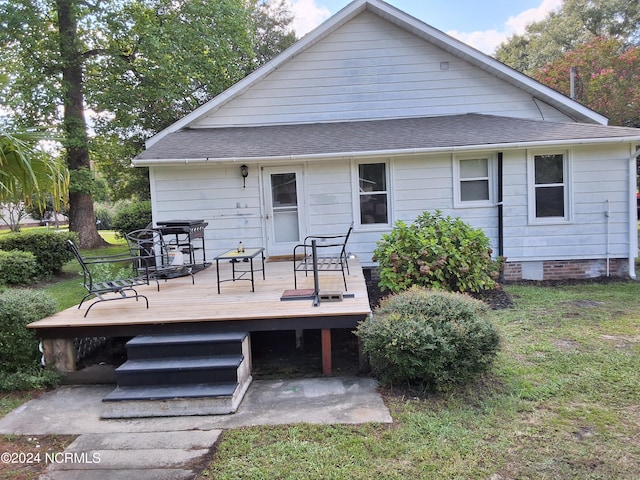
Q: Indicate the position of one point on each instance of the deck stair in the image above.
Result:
(181, 374)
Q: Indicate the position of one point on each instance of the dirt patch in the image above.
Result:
(621, 341)
(281, 354)
(566, 344)
(585, 303)
(27, 457)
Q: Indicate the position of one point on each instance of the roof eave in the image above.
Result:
(386, 153)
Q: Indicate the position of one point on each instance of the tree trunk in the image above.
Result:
(82, 218)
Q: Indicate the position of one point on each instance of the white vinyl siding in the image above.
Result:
(212, 194)
(371, 69)
(597, 174)
(425, 183)
(416, 184)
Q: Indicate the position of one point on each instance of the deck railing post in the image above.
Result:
(316, 287)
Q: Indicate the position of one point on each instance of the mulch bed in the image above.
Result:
(496, 298)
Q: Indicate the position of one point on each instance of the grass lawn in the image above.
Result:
(562, 402)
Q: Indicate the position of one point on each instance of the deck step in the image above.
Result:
(164, 392)
(193, 344)
(171, 400)
(179, 370)
(181, 374)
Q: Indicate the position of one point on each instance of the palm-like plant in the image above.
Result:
(27, 172)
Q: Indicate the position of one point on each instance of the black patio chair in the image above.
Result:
(334, 260)
(124, 287)
(155, 257)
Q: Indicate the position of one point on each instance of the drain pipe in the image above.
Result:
(607, 215)
(633, 217)
(500, 215)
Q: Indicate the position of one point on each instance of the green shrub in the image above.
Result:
(436, 340)
(48, 246)
(29, 379)
(436, 252)
(132, 216)
(18, 267)
(19, 345)
(104, 216)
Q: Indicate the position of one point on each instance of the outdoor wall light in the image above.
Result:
(244, 171)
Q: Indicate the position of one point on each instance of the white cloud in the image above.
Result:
(519, 23)
(306, 15)
(488, 40)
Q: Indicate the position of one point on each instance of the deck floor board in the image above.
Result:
(179, 301)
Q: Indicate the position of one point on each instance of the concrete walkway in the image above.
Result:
(176, 447)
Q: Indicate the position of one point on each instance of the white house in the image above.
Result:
(375, 117)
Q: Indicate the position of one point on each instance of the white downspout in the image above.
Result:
(633, 216)
(607, 215)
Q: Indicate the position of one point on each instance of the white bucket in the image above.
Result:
(176, 257)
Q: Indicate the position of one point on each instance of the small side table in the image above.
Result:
(236, 257)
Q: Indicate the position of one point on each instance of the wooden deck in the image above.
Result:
(180, 306)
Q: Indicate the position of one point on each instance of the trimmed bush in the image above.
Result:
(19, 345)
(48, 246)
(436, 252)
(18, 268)
(435, 340)
(132, 216)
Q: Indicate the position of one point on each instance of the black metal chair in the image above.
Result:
(99, 288)
(155, 257)
(333, 261)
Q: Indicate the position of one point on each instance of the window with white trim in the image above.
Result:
(473, 184)
(549, 186)
(373, 193)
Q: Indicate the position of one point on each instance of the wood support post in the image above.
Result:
(59, 354)
(326, 351)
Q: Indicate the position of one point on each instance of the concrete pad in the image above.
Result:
(75, 410)
(155, 474)
(169, 455)
(168, 448)
(327, 400)
(126, 459)
(191, 439)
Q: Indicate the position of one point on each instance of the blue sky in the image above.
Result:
(483, 24)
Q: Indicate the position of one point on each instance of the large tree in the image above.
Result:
(597, 39)
(606, 77)
(168, 58)
(576, 23)
(137, 65)
(73, 53)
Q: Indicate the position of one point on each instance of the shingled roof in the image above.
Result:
(378, 137)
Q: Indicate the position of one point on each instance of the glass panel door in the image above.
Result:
(284, 194)
(284, 209)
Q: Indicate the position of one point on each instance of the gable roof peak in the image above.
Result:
(411, 24)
